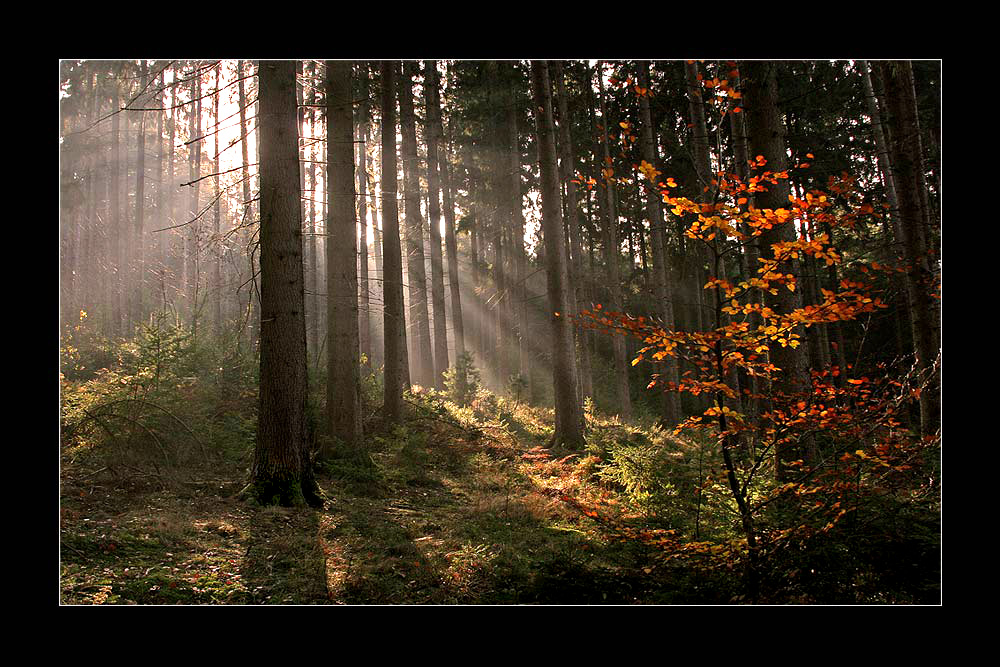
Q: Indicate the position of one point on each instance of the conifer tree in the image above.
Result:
(392, 283)
(343, 394)
(568, 414)
(282, 471)
(416, 275)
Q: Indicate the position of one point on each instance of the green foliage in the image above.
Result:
(164, 395)
(463, 381)
(516, 386)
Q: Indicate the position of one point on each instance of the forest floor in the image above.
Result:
(460, 507)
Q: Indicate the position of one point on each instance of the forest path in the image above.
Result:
(449, 512)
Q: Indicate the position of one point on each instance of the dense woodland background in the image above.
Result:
(488, 332)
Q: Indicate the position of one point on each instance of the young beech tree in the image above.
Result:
(861, 421)
(281, 472)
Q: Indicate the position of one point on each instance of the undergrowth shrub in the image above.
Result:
(463, 381)
(167, 402)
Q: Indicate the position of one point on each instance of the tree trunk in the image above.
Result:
(114, 203)
(451, 243)
(138, 274)
(416, 275)
(253, 309)
(611, 258)
(363, 126)
(343, 391)
(432, 130)
(568, 415)
(161, 219)
(312, 195)
(906, 156)
(579, 276)
(217, 245)
(767, 137)
(517, 235)
(175, 249)
(191, 257)
(392, 283)
(671, 414)
(281, 472)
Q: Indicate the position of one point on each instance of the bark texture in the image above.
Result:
(432, 123)
(671, 414)
(343, 392)
(281, 472)
(767, 137)
(394, 318)
(906, 158)
(568, 414)
(416, 273)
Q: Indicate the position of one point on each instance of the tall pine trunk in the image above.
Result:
(766, 135)
(281, 472)
(612, 266)
(451, 243)
(392, 283)
(671, 414)
(416, 275)
(139, 244)
(432, 127)
(568, 414)
(217, 245)
(253, 308)
(907, 175)
(364, 287)
(578, 270)
(343, 391)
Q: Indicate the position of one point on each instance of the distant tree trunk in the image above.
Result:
(365, 326)
(701, 156)
(281, 472)
(451, 243)
(906, 159)
(343, 391)
(578, 270)
(114, 241)
(253, 310)
(891, 223)
(313, 193)
(392, 283)
(416, 275)
(217, 245)
(767, 138)
(750, 251)
(172, 271)
(568, 415)
(432, 131)
(881, 144)
(611, 244)
(138, 277)
(161, 218)
(517, 233)
(498, 187)
(194, 222)
(661, 272)
(376, 288)
(713, 252)
(127, 239)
